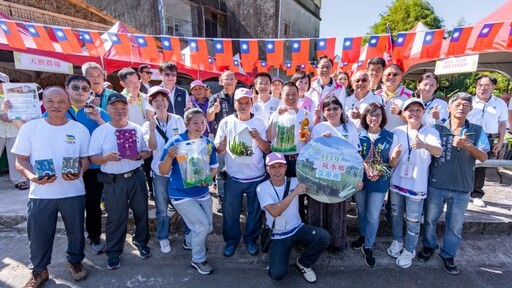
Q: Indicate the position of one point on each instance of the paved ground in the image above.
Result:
(485, 257)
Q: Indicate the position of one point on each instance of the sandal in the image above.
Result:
(22, 185)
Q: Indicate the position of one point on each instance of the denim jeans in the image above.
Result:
(232, 207)
(315, 239)
(413, 209)
(198, 216)
(457, 203)
(369, 205)
(161, 192)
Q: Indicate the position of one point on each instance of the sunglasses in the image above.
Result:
(148, 72)
(392, 74)
(334, 109)
(77, 88)
(363, 80)
(170, 74)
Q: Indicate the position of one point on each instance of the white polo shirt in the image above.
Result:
(351, 103)
(488, 114)
(103, 140)
(442, 107)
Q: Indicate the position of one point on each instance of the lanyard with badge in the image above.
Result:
(407, 169)
(280, 222)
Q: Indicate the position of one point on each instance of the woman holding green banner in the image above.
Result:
(188, 156)
(332, 216)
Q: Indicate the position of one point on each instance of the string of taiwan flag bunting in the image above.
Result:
(233, 54)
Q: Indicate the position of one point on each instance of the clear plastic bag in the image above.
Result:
(285, 138)
(194, 162)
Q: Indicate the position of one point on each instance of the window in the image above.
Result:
(214, 23)
(287, 29)
(173, 27)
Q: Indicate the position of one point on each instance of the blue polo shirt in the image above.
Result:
(176, 188)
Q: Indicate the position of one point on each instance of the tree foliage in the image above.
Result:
(403, 15)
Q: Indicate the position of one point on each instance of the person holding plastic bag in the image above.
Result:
(191, 159)
(289, 130)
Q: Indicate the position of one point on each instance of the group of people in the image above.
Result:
(417, 149)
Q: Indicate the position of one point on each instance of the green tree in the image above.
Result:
(403, 15)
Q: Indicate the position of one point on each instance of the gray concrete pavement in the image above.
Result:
(484, 261)
(485, 257)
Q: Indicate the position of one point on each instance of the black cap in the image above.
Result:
(116, 97)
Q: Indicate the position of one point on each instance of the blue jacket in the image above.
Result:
(383, 147)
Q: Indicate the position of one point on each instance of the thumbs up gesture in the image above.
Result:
(461, 141)
(221, 147)
(417, 143)
(397, 152)
(216, 106)
(152, 124)
(435, 112)
(355, 114)
(394, 108)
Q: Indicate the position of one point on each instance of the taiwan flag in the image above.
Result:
(120, 43)
(147, 48)
(485, 38)
(459, 41)
(248, 54)
(274, 50)
(67, 40)
(40, 36)
(288, 67)
(351, 49)
(198, 52)
(300, 51)
(211, 64)
(377, 46)
(223, 53)
(93, 42)
(171, 48)
(236, 65)
(12, 35)
(325, 46)
(403, 45)
(262, 66)
(432, 42)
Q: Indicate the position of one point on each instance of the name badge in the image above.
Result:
(280, 223)
(407, 170)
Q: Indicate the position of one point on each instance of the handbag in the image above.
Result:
(266, 231)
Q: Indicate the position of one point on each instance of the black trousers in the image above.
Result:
(93, 195)
(478, 191)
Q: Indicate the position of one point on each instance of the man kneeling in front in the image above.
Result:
(278, 197)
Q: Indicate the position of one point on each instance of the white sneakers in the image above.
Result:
(478, 202)
(165, 247)
(405, 259)
(308, 273)
(395, 249)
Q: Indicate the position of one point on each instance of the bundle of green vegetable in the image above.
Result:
(285, 138)
(240, 148)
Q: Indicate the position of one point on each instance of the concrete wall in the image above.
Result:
(304, 24)
(140, 14)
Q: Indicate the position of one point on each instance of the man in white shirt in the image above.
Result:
(266, 103)
(279, 199)
(241, 137)
(123, 179)
(324, 86)
(41, 147)
(354, 105)
(491, 113)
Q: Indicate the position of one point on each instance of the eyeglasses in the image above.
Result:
(392, 74)
(170, 74)
(148, 72)
(76, 88)
(363, 80)
(333, 109)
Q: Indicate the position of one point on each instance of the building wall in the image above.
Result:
(304, 24)
(183, 14)
(140, 14)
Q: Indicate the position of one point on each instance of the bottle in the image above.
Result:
(304, 130)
